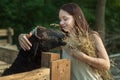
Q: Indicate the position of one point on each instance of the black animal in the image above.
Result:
(42, 40)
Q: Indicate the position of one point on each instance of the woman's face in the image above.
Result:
(66, 21)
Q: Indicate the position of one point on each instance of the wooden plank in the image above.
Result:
(5, 32)
(47, 57)
(4, 66)
(38, 74)
(3, 41)
(2, 62)
(60, 70)
(8, 55)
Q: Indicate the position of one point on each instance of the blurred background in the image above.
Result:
(21, 16)
(24, 15)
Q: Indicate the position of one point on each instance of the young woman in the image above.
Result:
(84, 47)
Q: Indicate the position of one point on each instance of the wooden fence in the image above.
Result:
(53, 68)
(7, 33)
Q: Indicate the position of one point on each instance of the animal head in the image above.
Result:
(47, 38)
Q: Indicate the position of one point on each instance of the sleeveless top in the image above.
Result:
(80, 70)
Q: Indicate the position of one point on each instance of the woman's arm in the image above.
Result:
(101, 62)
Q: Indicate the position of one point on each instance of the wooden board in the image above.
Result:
(47, 57)
(60, 69)
(4, 32)
(38, 74)
(3, 41)
(8, 55)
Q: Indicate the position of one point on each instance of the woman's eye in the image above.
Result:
(66, 19)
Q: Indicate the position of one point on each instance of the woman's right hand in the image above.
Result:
(24, 41)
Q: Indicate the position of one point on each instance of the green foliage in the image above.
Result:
(113, 25)
(112, 17)
(24, 15)
(19, 14)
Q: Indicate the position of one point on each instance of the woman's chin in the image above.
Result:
(64, 30)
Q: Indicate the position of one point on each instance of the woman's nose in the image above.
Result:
(61, 23)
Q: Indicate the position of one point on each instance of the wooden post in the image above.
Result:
(60, 69)
(10, 33)
(47, 57)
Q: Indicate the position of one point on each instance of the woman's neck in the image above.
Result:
(72, 33)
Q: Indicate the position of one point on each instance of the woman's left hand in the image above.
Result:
(75, 52)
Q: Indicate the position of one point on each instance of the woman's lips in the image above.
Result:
(63, 28)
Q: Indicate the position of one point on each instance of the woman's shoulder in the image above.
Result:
(96, 36)
(95, 33)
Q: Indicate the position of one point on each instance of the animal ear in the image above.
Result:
(41, 28)
(39, 31)
(44, 33)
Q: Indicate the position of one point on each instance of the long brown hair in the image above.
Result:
(81, 25)
(87, 43)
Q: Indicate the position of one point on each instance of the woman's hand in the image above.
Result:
(75, 52)
(24, 42)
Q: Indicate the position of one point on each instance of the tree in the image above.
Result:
(100, 17)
